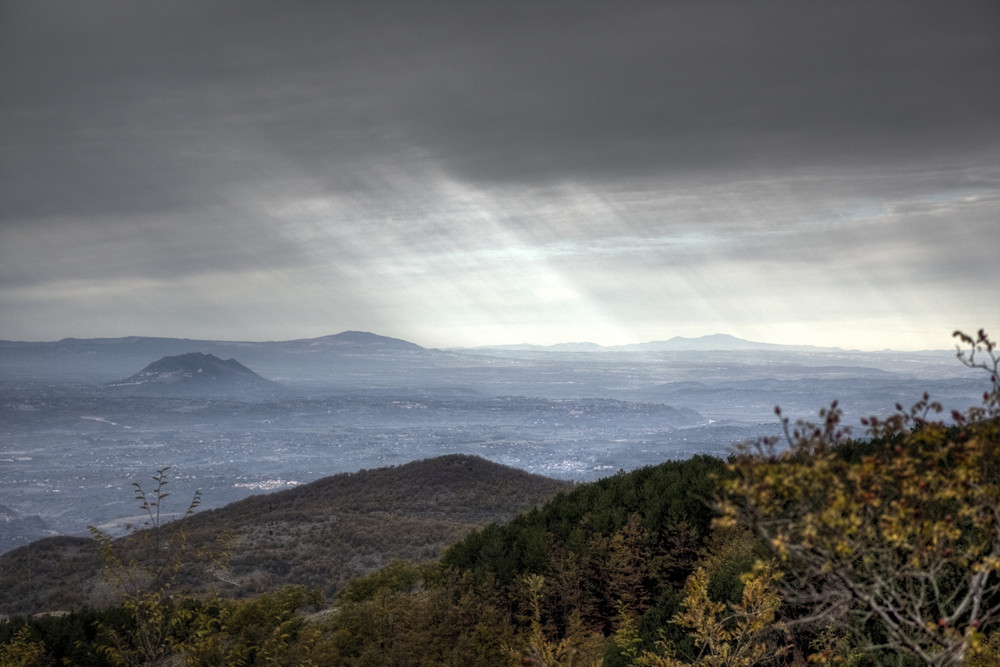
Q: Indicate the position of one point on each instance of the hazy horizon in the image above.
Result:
(462, 175)
(508, 344)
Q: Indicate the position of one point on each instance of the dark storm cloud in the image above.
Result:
(460, 159)
(679, 87)
(125, 105)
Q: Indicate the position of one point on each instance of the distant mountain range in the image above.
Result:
(357, 341)
(351, 359)
(716, 342)
(106, 360)
(713, 342)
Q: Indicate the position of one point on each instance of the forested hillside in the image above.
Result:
(818, 548)
(318, 535)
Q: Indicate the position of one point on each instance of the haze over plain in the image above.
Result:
(470, 174)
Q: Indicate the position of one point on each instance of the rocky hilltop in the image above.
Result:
(194, 373)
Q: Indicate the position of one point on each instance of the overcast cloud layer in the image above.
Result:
(500, 172)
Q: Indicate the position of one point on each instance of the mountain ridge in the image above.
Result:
(106, 360)
(320, 534)
(351, 359)
(707, 343)
(348, 338)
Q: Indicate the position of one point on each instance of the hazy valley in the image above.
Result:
(74, 435)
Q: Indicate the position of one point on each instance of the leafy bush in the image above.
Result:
(898, 548)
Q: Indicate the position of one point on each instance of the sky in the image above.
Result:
(477, 173)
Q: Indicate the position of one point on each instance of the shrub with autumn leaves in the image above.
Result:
(892, 543)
